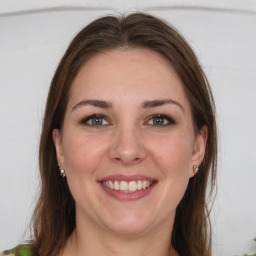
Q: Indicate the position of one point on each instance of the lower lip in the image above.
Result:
(124, 196)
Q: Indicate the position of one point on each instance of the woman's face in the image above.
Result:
(127, 143)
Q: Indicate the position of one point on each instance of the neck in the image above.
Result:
(88, 241)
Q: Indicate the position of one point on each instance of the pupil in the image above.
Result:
(158, 121)
(97, 121)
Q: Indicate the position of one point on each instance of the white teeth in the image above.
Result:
(132, 186)
(124, 186)
(116, 185)
(127, 187)
(111, 185)
(139, 185)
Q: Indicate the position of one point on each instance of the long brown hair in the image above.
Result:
(54, 216)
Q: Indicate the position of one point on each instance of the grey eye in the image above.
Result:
(160, 120)
(95, 120)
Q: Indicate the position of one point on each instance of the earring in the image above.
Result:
(62, 172)
(195, 169)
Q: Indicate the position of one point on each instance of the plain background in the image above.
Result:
(35, 34)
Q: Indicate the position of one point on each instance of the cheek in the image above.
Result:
(173, 154)
(82, 154)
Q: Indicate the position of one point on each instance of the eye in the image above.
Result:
(95, 120)
(160, 120)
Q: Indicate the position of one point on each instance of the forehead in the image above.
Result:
(127, 74)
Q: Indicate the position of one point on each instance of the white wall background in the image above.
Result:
(33, 37)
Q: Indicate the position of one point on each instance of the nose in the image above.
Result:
(127, 146)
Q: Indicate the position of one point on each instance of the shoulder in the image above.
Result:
(22, 250)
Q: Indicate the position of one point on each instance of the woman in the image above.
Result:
(128, 146)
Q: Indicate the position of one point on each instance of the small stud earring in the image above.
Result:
(195, 169)
(62, 172)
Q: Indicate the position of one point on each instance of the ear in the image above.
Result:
(199, 148)
(56, 135)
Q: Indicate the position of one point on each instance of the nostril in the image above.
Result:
(130, 160)
(127, 153)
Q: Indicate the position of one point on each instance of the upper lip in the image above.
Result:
(122, 177)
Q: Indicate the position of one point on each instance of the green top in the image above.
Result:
(23, 250)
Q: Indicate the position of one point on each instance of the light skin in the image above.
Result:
(143, 126)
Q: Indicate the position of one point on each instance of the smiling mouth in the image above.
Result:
(127, 187)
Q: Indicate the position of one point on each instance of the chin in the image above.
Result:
(129, 228)
(129, 223)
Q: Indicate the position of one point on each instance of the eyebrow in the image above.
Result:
(145, 104)
(95, 103)
(158, 103)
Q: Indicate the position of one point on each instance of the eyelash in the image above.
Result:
(170, 120)
(91, 117)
